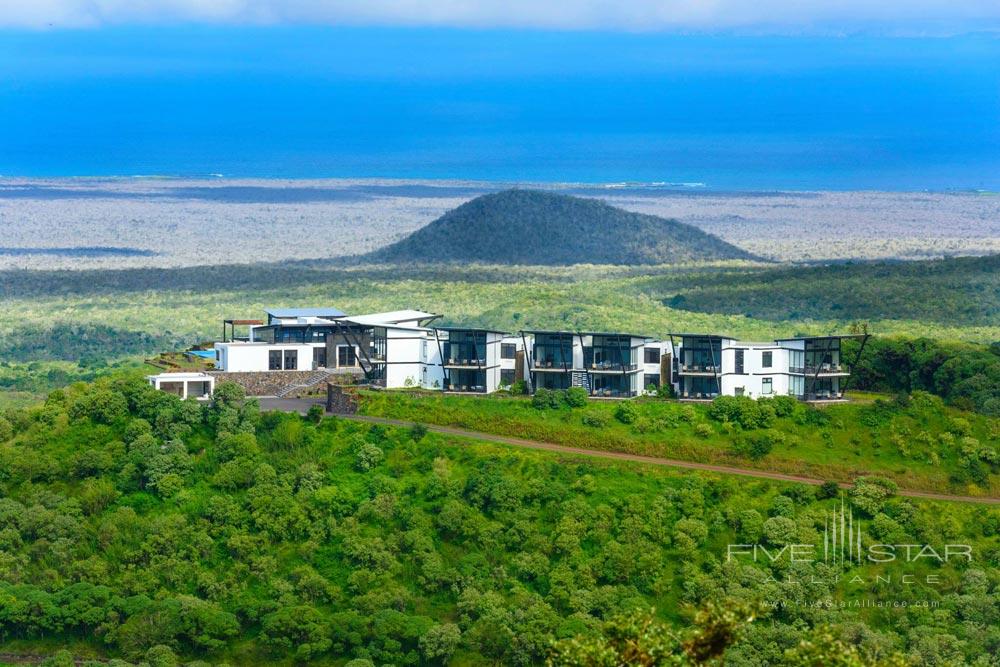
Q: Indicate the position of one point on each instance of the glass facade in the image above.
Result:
(466, 379)
(465, 348)
(552, 381)
(553, 351)
(701, 354)
(611, 386)
(609, 353)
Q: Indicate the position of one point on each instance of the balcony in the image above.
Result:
(465, 388)
(699, 369)
(824, 396)
(825, 370)
(612, 367)
(458, 362)
(552, 366)
(612, 393)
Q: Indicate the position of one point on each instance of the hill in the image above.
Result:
(533, 227)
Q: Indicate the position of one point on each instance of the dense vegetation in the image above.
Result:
(966, 375)
(962, 290)
(137, 525)
(541, 228)
(89, 343)
(918, 442)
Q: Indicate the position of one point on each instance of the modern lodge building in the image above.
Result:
(297, 348)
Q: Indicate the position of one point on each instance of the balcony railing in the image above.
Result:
(824, 369)
(824, 396)
(700, 368)
(699, 395)
(611, 366)
(553, 364)
(459, 361)
(612, 393)
(476, 388)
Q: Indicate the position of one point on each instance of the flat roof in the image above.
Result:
(587, 333)
(703, 335)
(304, 312)
(476, 329)
(780, 340)
(393, 317)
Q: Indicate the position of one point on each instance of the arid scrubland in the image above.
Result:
(189, 222)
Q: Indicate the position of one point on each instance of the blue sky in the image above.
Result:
(736, 109)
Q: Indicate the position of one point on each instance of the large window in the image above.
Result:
(739, 361)
(766, 359)
(274, 360)
(319, 357)
(766, 386)
(465, 348)
(608, 353)
(652, 355)
(650, 380)
(291, 360)
(346, 356)
(506, 377)
(554, 351)
(508, 350)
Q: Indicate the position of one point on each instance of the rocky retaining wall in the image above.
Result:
(269, 383)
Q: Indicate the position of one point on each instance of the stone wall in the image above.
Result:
(269, 383)
(341, 399)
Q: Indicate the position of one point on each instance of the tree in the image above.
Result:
(440, 641)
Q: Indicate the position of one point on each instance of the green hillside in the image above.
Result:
(134, 525)
(959, 290)
(544, 228)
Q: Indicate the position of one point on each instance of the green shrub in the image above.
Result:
(758, 445)
(626, 412)
(576, 397)
(547, 399)
(596, 419)
(519, 388)
(742, 410)
(828, 489)
(315, 413)
(703, 430)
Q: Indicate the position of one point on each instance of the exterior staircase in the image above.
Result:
(580, 379)
(311, 381)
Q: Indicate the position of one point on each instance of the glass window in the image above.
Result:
(766, 386)
(766, 359)
(346, 356)
(739, 362)
(652, 355)
(650, 379)
(291, 360)
(319, 357)
(274, 360)
(506, 377)
(508, 350)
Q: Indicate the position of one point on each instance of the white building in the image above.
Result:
(607, 365)
(808, 368)
(186, 385)
(402, 349)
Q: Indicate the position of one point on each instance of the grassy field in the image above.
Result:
(922, 446)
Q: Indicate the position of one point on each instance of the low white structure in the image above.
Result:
(186, 385)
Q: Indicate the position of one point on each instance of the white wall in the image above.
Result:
(242, 357)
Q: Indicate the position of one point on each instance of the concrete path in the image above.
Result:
(302, 405)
